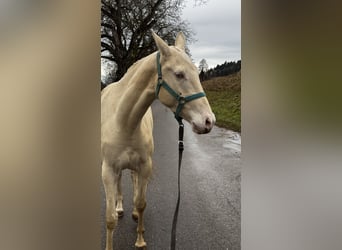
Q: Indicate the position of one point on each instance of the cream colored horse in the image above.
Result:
(126, 125)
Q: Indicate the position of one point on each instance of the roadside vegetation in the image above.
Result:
(224, 95)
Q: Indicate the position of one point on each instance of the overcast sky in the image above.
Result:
(218, 31)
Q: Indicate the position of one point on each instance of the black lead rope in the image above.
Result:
(182, 100)
(180, 154)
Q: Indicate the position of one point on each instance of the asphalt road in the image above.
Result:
(209, 215)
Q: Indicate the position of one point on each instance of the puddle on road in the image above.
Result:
(232, 141)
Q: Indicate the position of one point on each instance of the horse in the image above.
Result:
(126, 123)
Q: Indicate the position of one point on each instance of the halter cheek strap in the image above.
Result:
(182, 100)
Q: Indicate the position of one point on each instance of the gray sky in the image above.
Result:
(218, 31)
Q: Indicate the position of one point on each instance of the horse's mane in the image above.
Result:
(133, 69)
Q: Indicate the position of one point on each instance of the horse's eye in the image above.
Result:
(179, 75)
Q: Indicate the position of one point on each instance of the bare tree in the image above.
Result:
(203, 66)
(126, 25)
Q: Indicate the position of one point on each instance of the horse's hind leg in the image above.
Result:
(110, 179)
(140, 202)
(119, 207)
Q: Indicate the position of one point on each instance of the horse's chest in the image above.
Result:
(131, 158)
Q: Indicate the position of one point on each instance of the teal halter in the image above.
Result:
(181, 99)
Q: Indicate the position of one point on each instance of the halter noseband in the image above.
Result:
(181, 99)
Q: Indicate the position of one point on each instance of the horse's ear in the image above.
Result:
(180, 41)
(162, 46)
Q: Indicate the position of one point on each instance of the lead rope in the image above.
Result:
(180, 154)
(182, 100)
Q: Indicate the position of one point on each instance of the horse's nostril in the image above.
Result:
(208, 123)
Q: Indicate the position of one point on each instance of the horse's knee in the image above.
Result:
(140, 205)
(111, 221)
(111, 218)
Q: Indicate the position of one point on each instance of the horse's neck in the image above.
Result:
(138, 93)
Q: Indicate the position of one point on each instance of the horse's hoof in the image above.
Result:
(135, 217)
(140, 248)
(140, 245)
(120, 213)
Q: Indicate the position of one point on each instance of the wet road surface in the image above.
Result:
(209, 214)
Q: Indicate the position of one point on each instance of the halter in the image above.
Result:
(180, 99)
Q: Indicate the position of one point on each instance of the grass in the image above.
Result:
(224, 95)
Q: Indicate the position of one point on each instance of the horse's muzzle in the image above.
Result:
(205, 126)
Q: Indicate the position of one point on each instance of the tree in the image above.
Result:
(203, 66)
(126, 25)
(224, 69)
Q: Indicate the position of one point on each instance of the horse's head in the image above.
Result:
(186, 97)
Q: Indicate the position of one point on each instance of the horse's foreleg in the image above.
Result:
(119, 207)
(110, 180)
(134, 177)
(140, 203)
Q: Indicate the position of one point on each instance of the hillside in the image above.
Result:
(224, 95)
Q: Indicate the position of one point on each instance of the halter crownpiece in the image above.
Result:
(182, 100)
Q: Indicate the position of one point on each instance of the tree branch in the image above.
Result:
(107, 36)
(107, 25)
(108, 47)
(109, 58)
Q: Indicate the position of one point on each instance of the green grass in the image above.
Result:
(224, 95)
